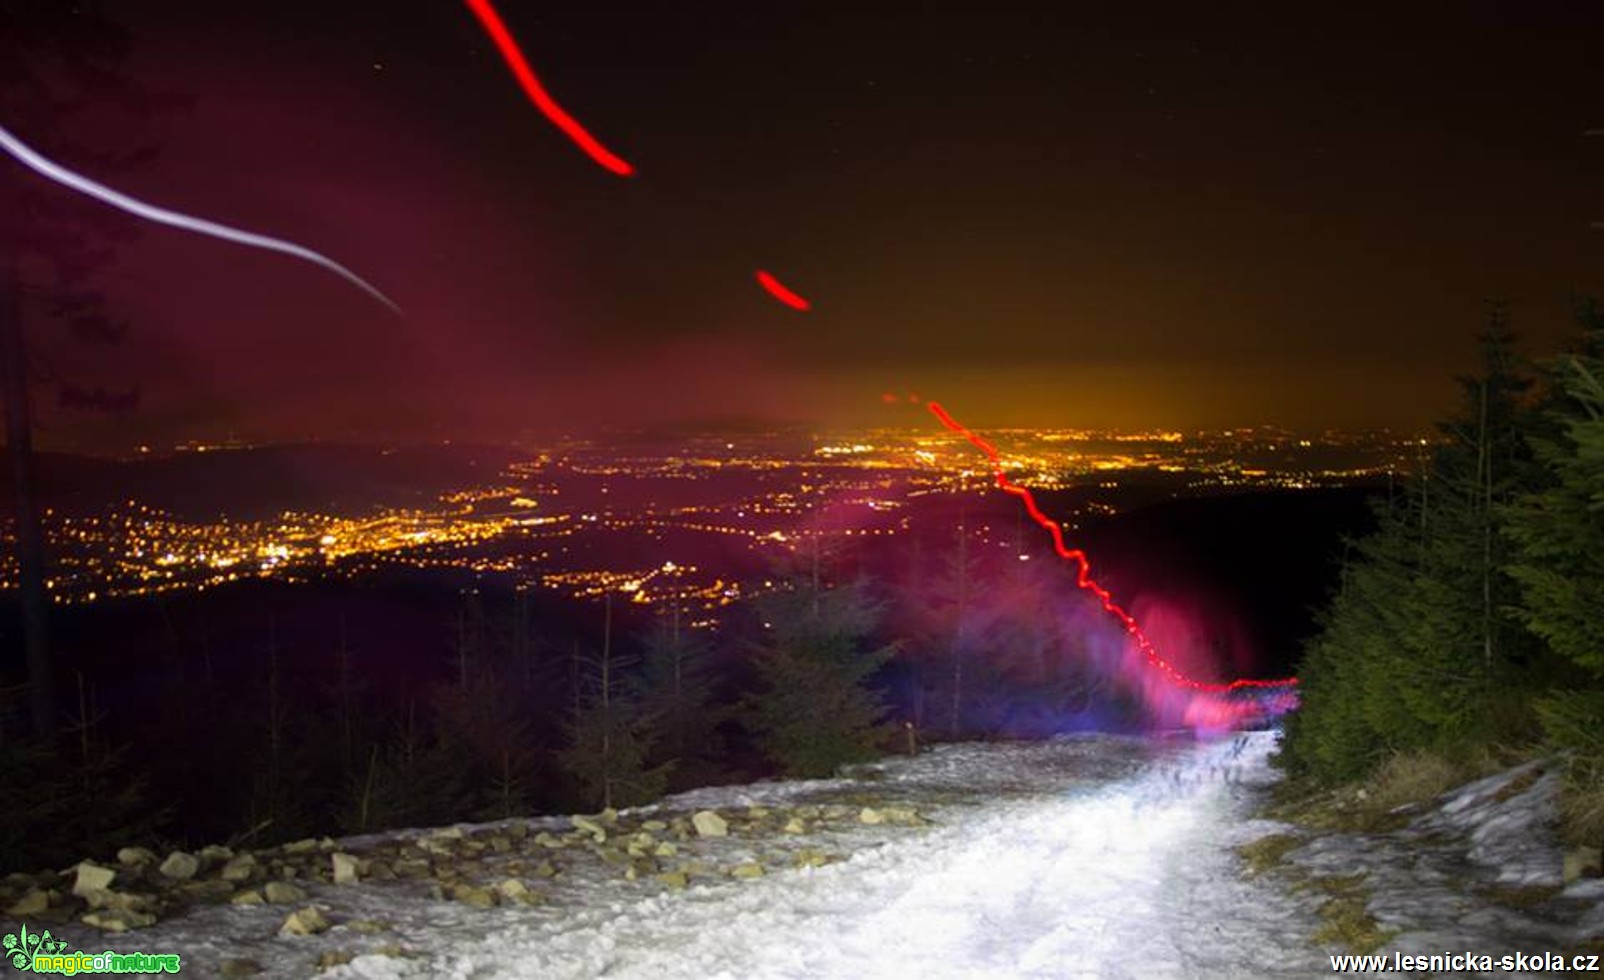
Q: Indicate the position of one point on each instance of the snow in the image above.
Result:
(1082, 857)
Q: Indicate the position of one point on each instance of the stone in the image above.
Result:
(380, 870)
(807, 857)
(136, 857)
(367, 927)
(306, 921)
(119, 920)
(750, 869)
(870, 815)
(757, 812)
(103, 898)
(249, 896)
(665, 849)
(475, 895)
(409, 868)
(304, 846)
(1582, 862)
(239, 868)
(32, 902)
(216, 853)
(549, 841)
(344, 866)
(180, 866)
(710, 824)
(674, 879)
(330, 958)
(597, 832)
(282, 892)
(655, 826)
(206, 891)
(608, 817)
(514, 890)
(903, 816)
(544, 869)
(795, 825)
(91, 878)
(240, 967)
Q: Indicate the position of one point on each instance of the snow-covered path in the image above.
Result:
(1132, 876)
(1084, 857)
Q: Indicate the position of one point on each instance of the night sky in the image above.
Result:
(1038, 214)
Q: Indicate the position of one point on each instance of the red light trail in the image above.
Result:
(779, 292)
(1084, 577)
(510, 52)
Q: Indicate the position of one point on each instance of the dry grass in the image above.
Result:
(1267, 853)
(1347, 922)
(1582, 811)
(1411, 777)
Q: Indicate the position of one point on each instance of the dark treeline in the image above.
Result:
(264, 712)
(1470, 624)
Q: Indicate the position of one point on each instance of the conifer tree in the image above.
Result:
(814, 710)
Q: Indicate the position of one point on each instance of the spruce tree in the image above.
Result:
(814, 710)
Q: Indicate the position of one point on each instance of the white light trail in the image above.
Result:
(54, 171)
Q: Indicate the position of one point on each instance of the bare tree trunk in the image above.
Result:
(958, 630)
(30, 533)
(1484, 458)
(607, 704)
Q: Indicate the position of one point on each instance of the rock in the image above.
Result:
(597, 832)
(547, 840)
(795, 825)
(674, 879)
(870, 815)
(757, 812)
(344, 868)
(380, 870)
(136, 857)
(544, 869)
(655, 826)
(903, 816)
(807, 857)
(282, 892)
(306, 921)
(1582, 862)
(368, 927)
(692, 868)
(410, 868)
(119, 920)
(180, 866)
(32, 902)
(750, 869)
(442, 846)
(216, 853)
(206, 891)
(665, 849)
(250, 896)
(608, 817)
(304, 846)
(101, 898)
(240, 968)
(91, 878)
(475, 896)
(514, 890)
(331, 958)
(710, 824)
(239, 868)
